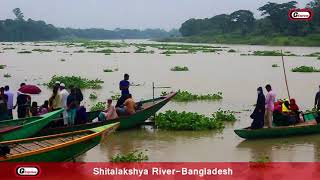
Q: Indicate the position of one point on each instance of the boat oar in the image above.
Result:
(285, 75)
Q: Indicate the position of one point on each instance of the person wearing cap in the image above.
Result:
(64, 97)
(317, 100)
(109, 113)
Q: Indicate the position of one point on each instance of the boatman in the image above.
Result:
(317, 100)
(270, 100)
(124, 88)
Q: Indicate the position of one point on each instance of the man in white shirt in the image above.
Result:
(10, 100)
(64, 96)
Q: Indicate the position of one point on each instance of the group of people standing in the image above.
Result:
(263, 112)
(268, 111)
(60, 98)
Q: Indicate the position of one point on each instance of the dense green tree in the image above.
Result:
(278, 14)
(18, 13)
(243, 20)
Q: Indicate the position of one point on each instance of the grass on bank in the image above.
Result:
(273, 40)
(76, 81)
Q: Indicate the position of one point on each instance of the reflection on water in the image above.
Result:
(234, 75)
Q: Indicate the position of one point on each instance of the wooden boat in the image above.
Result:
(26, 127)
(55, 148)
(149, 108)
(309, 127)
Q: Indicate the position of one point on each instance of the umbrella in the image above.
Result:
(30, 89)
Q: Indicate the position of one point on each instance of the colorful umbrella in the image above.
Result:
(30, 89)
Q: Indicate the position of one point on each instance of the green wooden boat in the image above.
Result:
(26, 127)
(55, 148)
(149, 108)
(281, 131)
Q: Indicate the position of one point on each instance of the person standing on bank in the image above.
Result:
(124, 88)
(270, 99)
(259, 111)
(317, 100)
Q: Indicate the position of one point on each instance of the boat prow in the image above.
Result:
(55, 148)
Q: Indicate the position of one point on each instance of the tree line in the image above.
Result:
(274, 21)
(19, 29)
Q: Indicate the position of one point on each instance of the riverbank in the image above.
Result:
(310, 40)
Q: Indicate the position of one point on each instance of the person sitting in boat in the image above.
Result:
(129, 106)
(44, 109)
(278, 107)
(286, 106)
(259, 111)
(109, 113)
(34, 111)
(293, 106)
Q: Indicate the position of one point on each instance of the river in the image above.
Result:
(236, 76)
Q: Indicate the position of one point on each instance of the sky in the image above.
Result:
(132, 14)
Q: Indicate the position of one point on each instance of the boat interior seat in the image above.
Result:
(7, 129)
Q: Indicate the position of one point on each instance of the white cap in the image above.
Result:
(57, 82)
(62, 85)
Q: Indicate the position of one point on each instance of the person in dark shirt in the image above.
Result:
(23, 103)
(3, 105)
(259, 111)
(124, 87)
(317, 100)
(72, 106)
(79, 96)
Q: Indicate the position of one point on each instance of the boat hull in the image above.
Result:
(30, 128)
(68, 151)
(126, 122)
(277, 132)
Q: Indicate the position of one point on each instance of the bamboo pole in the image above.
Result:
(285, 75)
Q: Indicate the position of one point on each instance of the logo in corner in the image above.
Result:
(28, 171)
(300, 14)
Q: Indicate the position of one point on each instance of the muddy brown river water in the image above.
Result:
(234, 75)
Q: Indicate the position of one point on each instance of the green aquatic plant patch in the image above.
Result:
(42, 50)
(232, 51)
(24, 52)
(7, 75)
(179, 68)
(100, 106)
(305, 69)
(271, 53)
(105, 51)
(226, 116)
(93, 96)
(173, 120)
(275, 65)
(134, 156)
(142, 50)
(76, 81)
(8, 48)
(107, 70)
(2, 66)
(185, 96)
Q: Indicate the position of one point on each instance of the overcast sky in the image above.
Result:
(139, 14)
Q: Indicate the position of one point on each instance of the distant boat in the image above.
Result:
(149, 108)
(26, 127)
(55, 148)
